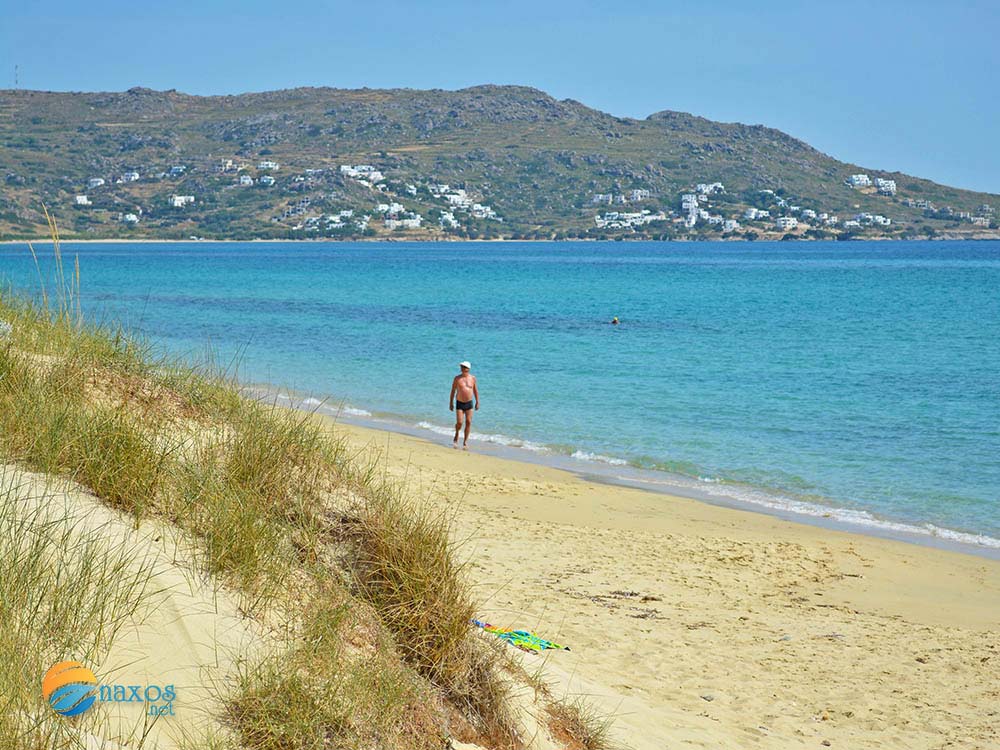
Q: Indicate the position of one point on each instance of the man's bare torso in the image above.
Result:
(464, 385)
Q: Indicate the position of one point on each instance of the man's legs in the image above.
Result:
(468, 426)
(458, 424)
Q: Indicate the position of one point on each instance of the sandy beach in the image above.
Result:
(705, 627)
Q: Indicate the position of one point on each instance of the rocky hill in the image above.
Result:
(487, 161)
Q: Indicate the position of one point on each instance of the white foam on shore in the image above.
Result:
(598, 458)
(783, 504)
(496, 439)
(354, 412)
(310, 403)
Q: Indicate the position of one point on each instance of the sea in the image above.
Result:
(850, 384)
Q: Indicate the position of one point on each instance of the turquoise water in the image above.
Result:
(859, 379)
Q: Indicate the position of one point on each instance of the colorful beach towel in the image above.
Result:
(522, 639)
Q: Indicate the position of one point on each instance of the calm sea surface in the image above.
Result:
(856, 379)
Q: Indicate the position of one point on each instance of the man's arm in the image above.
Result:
(451, 396)
(475, 391)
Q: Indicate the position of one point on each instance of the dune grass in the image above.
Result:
(338, 685)
(253, 483)
(406, 568)
(66, 591)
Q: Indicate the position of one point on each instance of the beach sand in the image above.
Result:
(706, 627)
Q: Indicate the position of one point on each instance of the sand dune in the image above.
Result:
(187, 632)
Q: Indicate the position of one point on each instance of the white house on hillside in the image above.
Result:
(885, 187)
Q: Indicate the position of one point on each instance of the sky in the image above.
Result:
(911, 86)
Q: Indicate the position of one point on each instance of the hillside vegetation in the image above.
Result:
(535, 161)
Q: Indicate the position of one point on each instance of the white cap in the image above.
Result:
(465, 364)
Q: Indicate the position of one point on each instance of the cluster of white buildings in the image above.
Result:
(806, 216)
(785, 223)
(180, 201)
(982, 219)
(867, 220)
(693, 210)
(397, 217)
(628, 219)
(364, 173)
(338, 220)
(728, 225)
(404, 222)
(393, 214)
(459, 200)
(635, 195)
(883, 186)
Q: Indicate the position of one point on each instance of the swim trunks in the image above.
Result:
(463, 405)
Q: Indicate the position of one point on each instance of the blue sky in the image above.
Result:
(912, 86)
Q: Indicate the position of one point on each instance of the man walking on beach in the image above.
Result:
(463, 392)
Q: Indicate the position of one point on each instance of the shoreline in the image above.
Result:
(777, 237)
(617, 473)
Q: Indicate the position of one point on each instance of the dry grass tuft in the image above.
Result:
(332, 689)
(579, 727)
